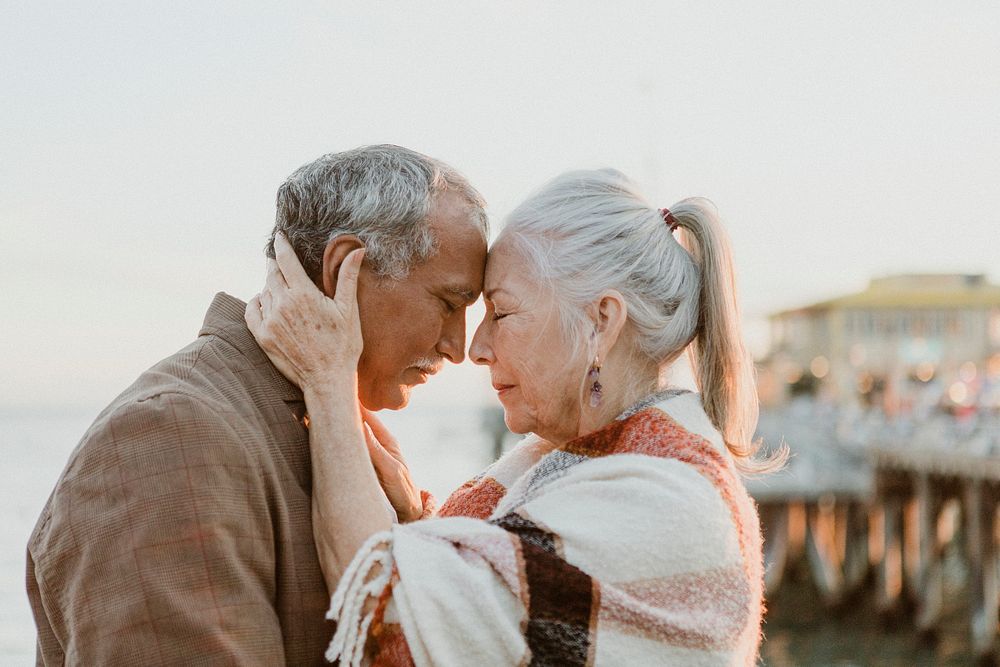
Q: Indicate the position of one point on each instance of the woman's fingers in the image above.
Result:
(307, 336)
(375, 450)
(395, 480)
(288, 263)
(346, 297)
(252, 315)
(372, 420)
(382, 433)
(274, 280)
(265, 300)
(386, 467)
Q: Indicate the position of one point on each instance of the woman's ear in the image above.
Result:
(611, 314)
(336, 252)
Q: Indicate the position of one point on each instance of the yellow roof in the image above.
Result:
(915, 291)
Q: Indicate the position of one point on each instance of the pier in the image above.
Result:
(869, 502)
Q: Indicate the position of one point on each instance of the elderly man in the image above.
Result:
(179, 532)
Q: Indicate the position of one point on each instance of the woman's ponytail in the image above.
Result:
(723, 368)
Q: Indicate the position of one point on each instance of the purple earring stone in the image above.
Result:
(593, 376)
(595, 395)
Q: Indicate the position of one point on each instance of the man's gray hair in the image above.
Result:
(381, 194)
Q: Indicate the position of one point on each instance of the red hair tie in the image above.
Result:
(669, 218)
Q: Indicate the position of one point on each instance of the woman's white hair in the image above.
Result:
(589, 231)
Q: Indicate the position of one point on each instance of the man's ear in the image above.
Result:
(336, 252)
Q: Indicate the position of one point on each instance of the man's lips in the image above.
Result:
(428, 366)
(501, 388)
(425, 371)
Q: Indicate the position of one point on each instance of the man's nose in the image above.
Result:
(452, 342)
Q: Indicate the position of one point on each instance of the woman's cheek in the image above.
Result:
(514, 347)
(534, 383)
(530, 366)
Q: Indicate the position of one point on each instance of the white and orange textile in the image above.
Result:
(636, 544)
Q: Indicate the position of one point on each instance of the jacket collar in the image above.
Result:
(225, 320)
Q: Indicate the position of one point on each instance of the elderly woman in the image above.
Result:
(619, 531)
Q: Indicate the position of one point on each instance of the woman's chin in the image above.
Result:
(516, 423)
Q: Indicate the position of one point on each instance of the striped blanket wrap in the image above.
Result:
(633, 545)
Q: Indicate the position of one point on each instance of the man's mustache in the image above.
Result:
(428, 365)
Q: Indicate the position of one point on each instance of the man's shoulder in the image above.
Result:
(224, 367)
(172, 411)
(209, 373)
(211, 407)
(152, 465)
(167, 428)
(210, 394)
(190, 404)
(196, 370)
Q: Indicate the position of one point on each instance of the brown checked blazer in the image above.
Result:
(179, 532)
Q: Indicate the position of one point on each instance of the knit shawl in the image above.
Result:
(636, 544)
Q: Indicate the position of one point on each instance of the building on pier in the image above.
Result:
(902, 340)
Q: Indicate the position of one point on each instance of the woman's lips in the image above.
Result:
(502, 388)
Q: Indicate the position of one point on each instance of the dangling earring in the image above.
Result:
(593, 376)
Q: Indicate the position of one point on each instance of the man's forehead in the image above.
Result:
(459, 263)
(464, 292)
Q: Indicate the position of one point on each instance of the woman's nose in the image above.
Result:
(481, 351)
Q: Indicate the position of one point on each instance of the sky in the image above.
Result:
(142, 145)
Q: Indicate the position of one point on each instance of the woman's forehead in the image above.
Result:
(510, 276)
(503, 264)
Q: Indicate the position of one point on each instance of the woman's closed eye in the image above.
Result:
(499, 316)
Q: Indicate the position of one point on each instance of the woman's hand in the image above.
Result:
(391, 469)
(313, 340)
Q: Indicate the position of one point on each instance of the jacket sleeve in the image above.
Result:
(156, 547)
(47, 649)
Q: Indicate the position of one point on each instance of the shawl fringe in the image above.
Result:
(355, 587)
